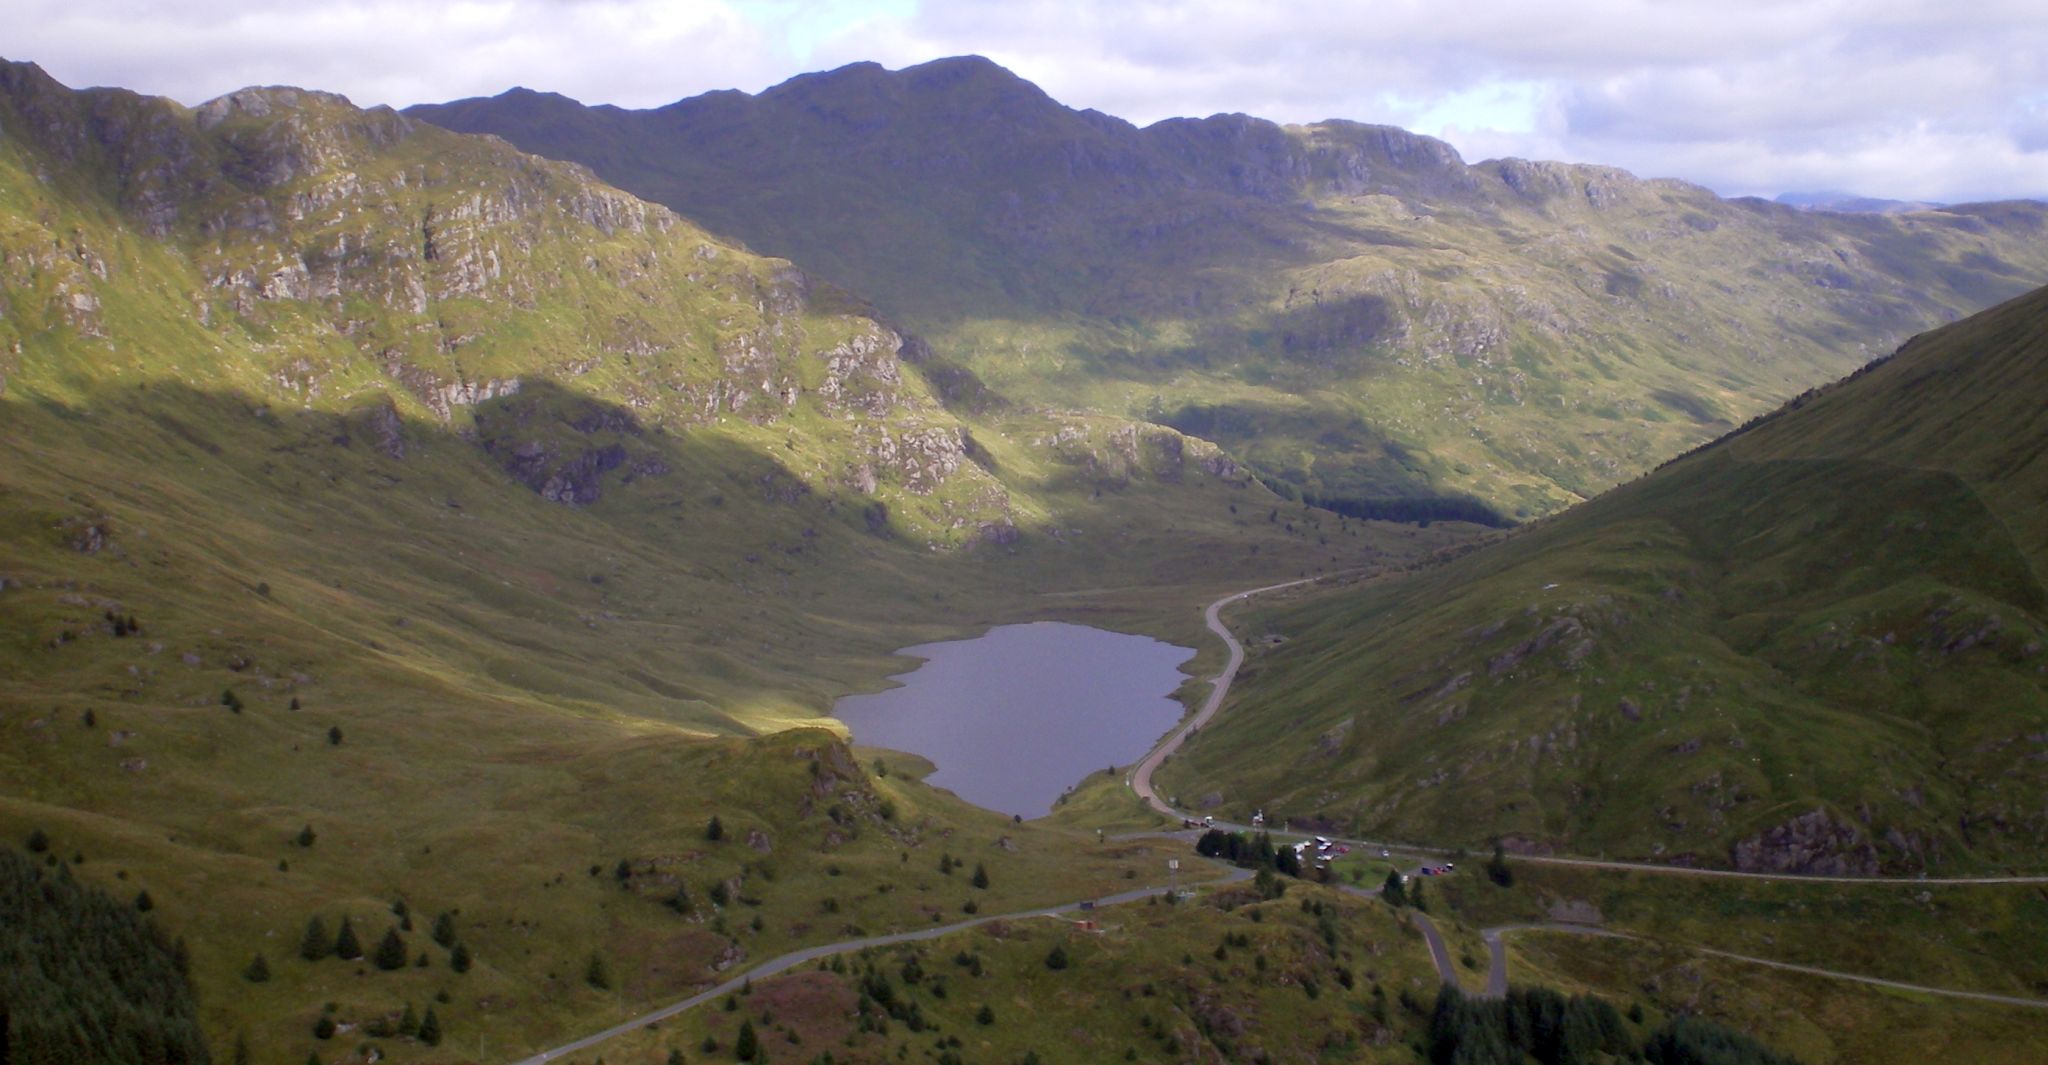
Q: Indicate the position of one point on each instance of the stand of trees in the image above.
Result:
(1249, 852)
(85, 979)
(1554, 1029)
(1419, 510)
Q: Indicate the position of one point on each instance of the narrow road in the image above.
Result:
(1140, 779)
(1497, 975)
(1807, 878)
(794, 958)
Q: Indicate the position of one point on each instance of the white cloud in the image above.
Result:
(1902, 98)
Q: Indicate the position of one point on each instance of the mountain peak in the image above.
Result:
(264, 101)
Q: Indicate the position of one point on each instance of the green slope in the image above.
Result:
(1354, 310)
(499, 529)
(1815, 646)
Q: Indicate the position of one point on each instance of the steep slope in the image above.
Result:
(393, 524)
(1353, 308)
(1816, 645)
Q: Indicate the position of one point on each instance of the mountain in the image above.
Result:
(397, 527)
(1814, 646)
(1354, 310)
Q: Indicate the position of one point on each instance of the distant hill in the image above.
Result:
(1850, 203)
(1819, 645)
(1354, 309)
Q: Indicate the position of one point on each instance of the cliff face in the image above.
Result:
(285, 243)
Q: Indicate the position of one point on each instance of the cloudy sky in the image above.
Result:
(1906, 99)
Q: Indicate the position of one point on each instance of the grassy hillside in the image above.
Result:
(391, 517)
(1814, 646)
(1353, 309)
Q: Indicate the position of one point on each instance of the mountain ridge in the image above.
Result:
(1310, 295)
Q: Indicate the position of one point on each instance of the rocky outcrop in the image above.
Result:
(559, 478)
(1814, 843)
(1558, 630)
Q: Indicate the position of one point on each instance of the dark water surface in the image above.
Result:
(1017, 716)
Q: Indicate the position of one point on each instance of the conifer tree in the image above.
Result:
(315, 945)
(258, 970)
(143, 903)
(334, 736)
(409, 1021)
(714, 831)
(746, 1045)
(305, 837)
(1497, 867)
(346, 946)
(980, 875)
(444, 929)
(458, 959)
(391, 951)
(596, 975)
(1393, 891)
(430, 1028)
(38, 841)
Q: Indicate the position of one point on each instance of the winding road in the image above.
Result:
(785, 962)
(1140, 782)
(1140, 779)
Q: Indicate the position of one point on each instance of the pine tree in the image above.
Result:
(346, 946)
(1058, 958)
(409, 1021)
(746, 1044)
(444, 929)
(38, 841)
(1393, 891)
(596, 975)
(985, 1016)
(305, 837)
(315, 945)
(242, 1056)
(230, 700)
(675, 1057)
(143, 903)
(714, 831)
(334, 736)
(458, 959)
(980, 875)
(430, 1028)
(258, 970)
(391, 951)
